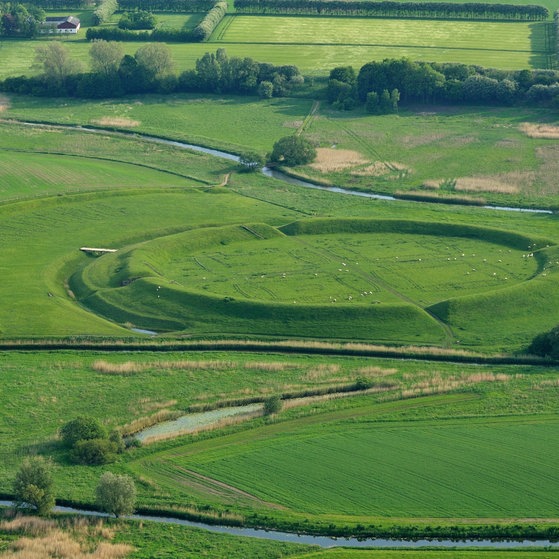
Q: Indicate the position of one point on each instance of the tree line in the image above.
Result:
(149, 70)
(191, 6)
(386, 8)
(380, 86)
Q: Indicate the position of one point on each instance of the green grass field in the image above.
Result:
(316, 45)
(484, 43)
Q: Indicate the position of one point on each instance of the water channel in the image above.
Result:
(322, 541)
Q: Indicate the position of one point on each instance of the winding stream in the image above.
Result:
(322, 541)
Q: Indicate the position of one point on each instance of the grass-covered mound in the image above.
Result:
(382, 280)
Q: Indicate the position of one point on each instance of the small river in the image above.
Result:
(322, 541)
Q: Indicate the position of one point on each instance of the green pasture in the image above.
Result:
(253, 279)
(487, 149)
(344, 267)
(232, 123)
(40, 241)
(425, 554)
(518, 44)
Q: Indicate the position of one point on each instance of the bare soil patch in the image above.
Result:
(328, 159)
(116, 121)
(541, 131)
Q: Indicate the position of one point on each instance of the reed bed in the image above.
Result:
(75, 538)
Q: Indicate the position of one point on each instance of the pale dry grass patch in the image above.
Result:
(328, 159)
(45, 539)
(120, 121)
(497, 185)
(432, 184)
(426, 383)
(31, 525)
(127, 368)
(540, 131)
(321, 371)
(271, 367)
(130, 367)
(425, 139)
(292, 124)
(382, 168)
(548, 170)
(374, 371)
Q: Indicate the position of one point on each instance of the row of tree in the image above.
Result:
(210, 21)
(151, 69)
(386, 8)
(438, 82)
(17, 20)
(33, 489)
(104, 10)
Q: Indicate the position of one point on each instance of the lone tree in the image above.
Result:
(272, 405)
(33, 486)
(292, 150)
(116, 494)
(250, 161)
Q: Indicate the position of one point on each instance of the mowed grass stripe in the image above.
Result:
(455, 35)
(418, 470)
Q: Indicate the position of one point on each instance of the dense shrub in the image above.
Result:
(546, 344)
(272, 405)
(137, 20)
(190, 6)
(94, 452)
(81, 429)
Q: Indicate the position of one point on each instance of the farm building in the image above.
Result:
(64, 24)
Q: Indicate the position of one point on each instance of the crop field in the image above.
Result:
(519, 45)
(445, 469)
